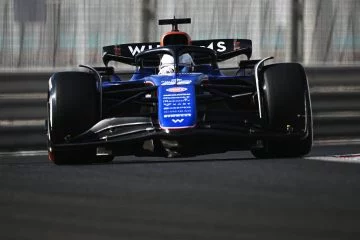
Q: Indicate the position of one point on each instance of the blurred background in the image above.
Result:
(39, 37)
(38, 34)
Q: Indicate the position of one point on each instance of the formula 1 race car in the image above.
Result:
(179, 103)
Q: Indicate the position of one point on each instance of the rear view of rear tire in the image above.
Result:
(73, 107)
(287, 108)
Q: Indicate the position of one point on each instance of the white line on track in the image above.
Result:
(23, 96)
(24, 153)
(337, 142)
(347, 158)
(22, 123)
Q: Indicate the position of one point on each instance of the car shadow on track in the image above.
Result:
(230, 156)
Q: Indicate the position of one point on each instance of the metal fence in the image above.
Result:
(38, 34)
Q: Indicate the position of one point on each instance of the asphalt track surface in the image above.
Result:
(223, 196)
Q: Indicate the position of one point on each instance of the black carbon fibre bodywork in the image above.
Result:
(196, 109)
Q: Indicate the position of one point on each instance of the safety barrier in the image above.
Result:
(335, 94)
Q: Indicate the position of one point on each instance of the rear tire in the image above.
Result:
(286, 104)
(73, 107)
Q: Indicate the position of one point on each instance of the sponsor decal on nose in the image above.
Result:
(176, 89)
(177, 120)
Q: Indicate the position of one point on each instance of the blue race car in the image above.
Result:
(179, 103)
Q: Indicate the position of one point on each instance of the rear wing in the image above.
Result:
(225, 49)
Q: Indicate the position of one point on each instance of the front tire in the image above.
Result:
(73, 107)
(287, 106)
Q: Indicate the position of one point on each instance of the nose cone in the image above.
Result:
(177, 106)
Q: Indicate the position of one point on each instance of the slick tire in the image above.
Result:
(286, 104)
(73, 107)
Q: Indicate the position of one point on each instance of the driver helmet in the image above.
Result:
(167, 63)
